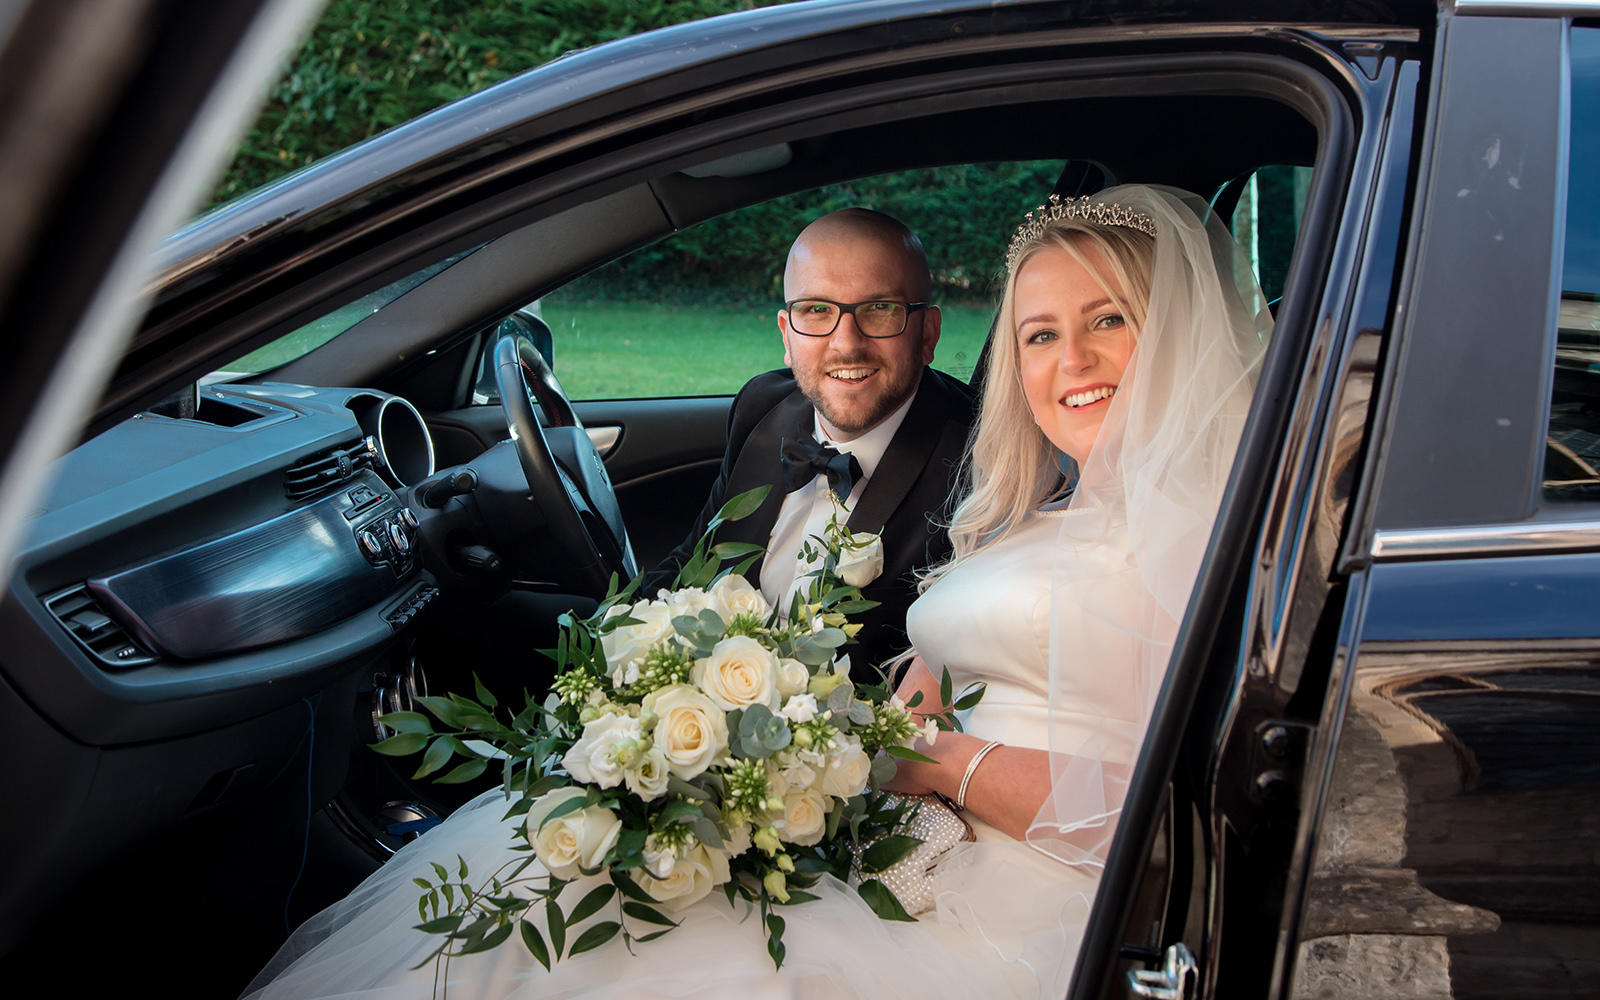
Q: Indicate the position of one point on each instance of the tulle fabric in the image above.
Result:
(1002, 928)
(1131, 538)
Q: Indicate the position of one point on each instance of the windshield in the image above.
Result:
(300, 342)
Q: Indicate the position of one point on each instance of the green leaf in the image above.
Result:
(492, 940)
(571, 805)
(444, 925)
(535, 943)
(438, 755)
(628, 887)
(640, 911)
(401, 745)
(734, 550)
(465, 771)
(970, 698)
(595, 936)
(741, 506)
(798, 896)
(483, 693)
(679, 786)
(439, 869)
(652, 935)
(882, 901)
(904, 754)
(886, 852)
(590, 904)
(946, 687)
(556, 925)
(407, 722)
(445, 710)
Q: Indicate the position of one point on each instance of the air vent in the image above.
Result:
(312, 475)
(81, 615)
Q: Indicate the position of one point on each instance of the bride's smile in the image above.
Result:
(1074, 343)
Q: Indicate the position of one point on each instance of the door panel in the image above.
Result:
(663, 462)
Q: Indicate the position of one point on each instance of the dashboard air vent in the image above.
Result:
(313, 474)
(81, 615)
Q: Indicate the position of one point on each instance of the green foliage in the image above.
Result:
(369, 65)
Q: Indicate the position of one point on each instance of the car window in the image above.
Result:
(1572, 452)
(696, 314)
(1266, 221)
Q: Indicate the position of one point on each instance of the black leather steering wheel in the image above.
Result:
(566, 476)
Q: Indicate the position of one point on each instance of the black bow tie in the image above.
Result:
(804, 460)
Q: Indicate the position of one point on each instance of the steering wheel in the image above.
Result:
(566, 476)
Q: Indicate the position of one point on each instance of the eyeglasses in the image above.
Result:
(877, 318)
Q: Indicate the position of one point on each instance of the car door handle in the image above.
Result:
(604, 439)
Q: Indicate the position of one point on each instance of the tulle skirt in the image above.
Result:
(1007, 924)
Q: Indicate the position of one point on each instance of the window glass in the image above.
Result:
(696, 314)
(1266, 221)
(1572, 453)
(314, 334)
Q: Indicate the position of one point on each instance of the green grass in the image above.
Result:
(639, 349)
(634, 350)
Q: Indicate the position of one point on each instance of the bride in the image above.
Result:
(1128, 339)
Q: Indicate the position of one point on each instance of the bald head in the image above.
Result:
(856, 230)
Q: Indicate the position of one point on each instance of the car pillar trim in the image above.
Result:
(1528, 8)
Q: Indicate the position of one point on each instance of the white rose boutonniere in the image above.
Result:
(574, 840)
(861, 559)
(740, 672)
(805, 817)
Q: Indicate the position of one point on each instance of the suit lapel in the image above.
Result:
(758, 465)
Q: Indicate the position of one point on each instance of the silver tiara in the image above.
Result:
(1057, 207)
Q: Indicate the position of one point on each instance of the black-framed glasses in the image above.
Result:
(874, 318)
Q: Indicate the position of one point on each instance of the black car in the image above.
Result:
(1373, 771)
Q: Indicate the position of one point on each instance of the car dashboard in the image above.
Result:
(196, 605)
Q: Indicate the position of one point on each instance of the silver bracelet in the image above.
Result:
(972, 765)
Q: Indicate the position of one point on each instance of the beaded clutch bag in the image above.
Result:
(940, 827)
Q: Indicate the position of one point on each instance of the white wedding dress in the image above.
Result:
(1008, 917)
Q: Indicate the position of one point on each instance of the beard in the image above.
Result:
(856, 413)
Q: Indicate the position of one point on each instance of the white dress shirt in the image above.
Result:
(805, 512)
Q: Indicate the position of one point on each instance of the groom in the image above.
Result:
(858, 334)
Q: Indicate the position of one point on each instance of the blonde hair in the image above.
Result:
(1010, 467)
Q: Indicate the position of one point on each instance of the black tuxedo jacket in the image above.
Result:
(907, 498)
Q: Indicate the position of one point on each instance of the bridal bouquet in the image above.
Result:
(695, 742)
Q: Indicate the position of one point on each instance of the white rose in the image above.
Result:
(599, 756)
(740, 672)
(574, 840)
(625, 647)
(792, 677)
(861, 560)
(691, 731)
(805, 817)
(732, 595)
(693, 876)
(848, 769)
(688, 601)
(648, 778)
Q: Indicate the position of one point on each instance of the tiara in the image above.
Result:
(1056, 208)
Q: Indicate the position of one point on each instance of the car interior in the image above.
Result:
(225, 586)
